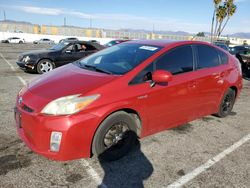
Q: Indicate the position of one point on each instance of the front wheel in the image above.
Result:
(115, 137)
(227, 103)
(44, 66)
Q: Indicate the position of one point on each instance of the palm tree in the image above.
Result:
(220, 16)
(216, 4)
(222, 10)
(231, 9)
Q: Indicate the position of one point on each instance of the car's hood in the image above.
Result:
(67, 80)
(37, 52)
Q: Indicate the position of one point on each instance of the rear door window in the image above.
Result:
(207, 57)
(178, 60)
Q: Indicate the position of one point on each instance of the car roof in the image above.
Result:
(165, 43)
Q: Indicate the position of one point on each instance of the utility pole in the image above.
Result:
(64, 21)
(4, 16)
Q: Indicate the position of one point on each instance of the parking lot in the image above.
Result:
(208, 152)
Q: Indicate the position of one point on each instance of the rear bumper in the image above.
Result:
(77, 133)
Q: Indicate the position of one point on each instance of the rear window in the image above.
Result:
(223, 57)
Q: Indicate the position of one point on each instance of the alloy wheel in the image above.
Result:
(228, 103)
(46, 67)
(115, 134)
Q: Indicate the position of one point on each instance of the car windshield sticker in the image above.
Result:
(150, 48)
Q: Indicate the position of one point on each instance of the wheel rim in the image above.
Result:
(115, 135)
(227, 103)
(46, 66)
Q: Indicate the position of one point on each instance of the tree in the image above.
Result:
(216, 5)
(200, 34)
(223, 11)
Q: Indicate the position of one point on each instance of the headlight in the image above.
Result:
(26, 59)
(68, 105)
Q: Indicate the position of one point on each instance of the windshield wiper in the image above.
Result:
(98, 69)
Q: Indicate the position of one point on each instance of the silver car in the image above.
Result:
(44, 41)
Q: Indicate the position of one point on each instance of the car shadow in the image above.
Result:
(129, 171)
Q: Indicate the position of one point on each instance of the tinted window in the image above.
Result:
(176, 61)
(207, 57)
(223, 57)
(144, 75)
(59, 46)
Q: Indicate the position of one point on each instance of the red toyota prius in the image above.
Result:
(100, 104)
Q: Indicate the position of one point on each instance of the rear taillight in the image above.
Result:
(237, 62)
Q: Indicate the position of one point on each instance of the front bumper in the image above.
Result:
(77, 133)
(26, 66)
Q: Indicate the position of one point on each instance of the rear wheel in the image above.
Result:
(115, 137)
(44, 66)
(20, 42)
(227, 103)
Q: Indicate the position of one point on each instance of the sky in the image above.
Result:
(167, 15)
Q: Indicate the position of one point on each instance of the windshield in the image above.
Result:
(59, 46)
(119, 59)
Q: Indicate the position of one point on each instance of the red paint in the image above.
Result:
(185, 97)
(162, 76)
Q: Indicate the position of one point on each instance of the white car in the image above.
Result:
(14, 40)
(44, 41)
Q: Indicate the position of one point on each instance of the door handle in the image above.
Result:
(192, 84)
(219, 75)
(222, 74)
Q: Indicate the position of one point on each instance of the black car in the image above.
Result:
(239, 50)
(43, 61)
(243, 55)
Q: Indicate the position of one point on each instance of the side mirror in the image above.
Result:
(162, 77)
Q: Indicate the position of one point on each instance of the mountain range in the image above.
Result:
(181, 33)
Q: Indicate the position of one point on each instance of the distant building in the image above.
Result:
(25, 27)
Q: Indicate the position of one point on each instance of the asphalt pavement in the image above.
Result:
(208, 152)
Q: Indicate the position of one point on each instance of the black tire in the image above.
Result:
(227, 103)
(20, 42)
(41, 64)
(118, 149)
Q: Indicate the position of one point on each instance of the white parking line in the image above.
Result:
(13, 69)
(91, 171)
(191, 175)
(11, 66)
(22, 80)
